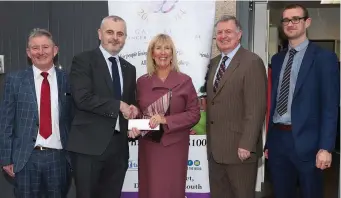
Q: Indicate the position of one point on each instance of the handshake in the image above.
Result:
(128, 111)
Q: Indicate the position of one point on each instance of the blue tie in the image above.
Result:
(115, 78)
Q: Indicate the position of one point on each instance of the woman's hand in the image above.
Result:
(156, 120)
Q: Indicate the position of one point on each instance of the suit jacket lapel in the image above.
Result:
(103, 67)
(305, 66)
(31, 84)
(230, 69)
(60, 82)
(213, 68)
(276, 73)
(125, 76)
(61, 99)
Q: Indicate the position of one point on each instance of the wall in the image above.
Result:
(260, 48)
(222, 8)
(73, 25)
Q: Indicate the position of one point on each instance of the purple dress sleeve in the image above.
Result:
(190, 116)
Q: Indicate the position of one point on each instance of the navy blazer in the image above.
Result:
(19, 120)
(314, 110)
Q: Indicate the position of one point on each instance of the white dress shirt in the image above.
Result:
(107, 55)
(54, 140)
(227, 62)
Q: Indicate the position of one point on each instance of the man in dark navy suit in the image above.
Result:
(304, 110)
(103, 87)
(35, 119)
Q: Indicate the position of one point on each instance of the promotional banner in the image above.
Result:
(190, 24)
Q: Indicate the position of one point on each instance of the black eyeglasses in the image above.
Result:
(294, 20)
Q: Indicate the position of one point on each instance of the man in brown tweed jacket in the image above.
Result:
(236, 104)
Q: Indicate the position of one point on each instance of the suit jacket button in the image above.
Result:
(211, 122)
(212, 103)
(34, 139)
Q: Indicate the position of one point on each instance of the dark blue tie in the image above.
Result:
(282, 103)
(115, 78)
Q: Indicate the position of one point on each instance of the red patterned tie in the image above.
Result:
(220, 74)
(45, 126)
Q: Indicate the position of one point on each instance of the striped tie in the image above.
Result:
(220, 73)
(282, 103)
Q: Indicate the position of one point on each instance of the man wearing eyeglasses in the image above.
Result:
(304, 110)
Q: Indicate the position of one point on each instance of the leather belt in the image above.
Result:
(41, 148)
(282, 127)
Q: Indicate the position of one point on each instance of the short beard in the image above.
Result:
(115, 52)
(296, 36)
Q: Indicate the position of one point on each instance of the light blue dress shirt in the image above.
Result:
(296, 65)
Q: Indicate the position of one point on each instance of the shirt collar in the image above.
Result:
(301, 46)
(106, 54)
(37, 71)
(232, 53)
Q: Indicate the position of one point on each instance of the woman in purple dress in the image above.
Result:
(168, 98)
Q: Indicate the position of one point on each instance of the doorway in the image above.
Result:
(268, 40)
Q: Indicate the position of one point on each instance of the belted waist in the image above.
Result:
(283, 127)
(41, 148)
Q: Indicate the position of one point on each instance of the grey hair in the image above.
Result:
(36, 32)
(226, 18)
(116, 19)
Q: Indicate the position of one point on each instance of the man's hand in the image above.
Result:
(155, 120)
(134, 133)
(243, 154)
(125, 109)
(323, 159)
(266, 154)
(134, 111)
(9, 170)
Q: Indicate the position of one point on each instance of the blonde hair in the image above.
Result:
(163, 39)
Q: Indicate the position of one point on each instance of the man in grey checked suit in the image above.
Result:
(35, 119)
